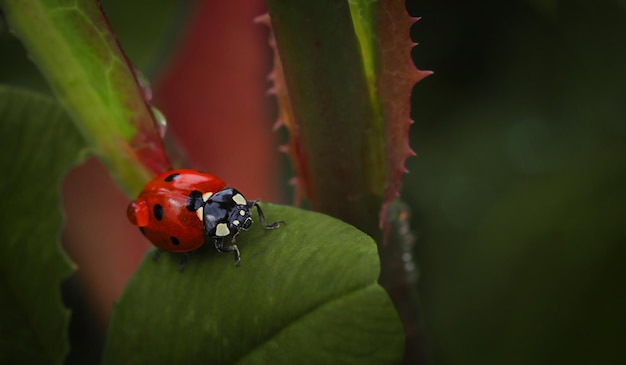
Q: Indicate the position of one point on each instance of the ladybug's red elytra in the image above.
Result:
(181, 209)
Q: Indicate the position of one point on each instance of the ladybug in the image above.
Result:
(180, 210)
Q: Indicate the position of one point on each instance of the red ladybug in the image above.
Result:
(179, 210)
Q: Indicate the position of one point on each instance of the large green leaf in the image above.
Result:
(306, 293)
(38, 145)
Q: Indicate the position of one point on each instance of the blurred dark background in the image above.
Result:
(518, 187)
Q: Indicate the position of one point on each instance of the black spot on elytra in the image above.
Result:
(143, 231)
(172, 177)
(158, 211)
(194, 201)
(174, 240)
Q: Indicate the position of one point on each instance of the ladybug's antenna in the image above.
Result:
(274, 225)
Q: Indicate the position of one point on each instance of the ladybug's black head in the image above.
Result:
(226, 212)
(238, 211)
(240, 218)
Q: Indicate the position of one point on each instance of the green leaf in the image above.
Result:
(38, 144)
(306, 292)
(395, 77)
(340, 136)
(73, 46)
(343, 77)
(382, 28)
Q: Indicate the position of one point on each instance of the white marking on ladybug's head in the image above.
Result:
(206, 196)
(221, 230)
(242, 212)
(239, 199)
(236, 222)
(200, 214)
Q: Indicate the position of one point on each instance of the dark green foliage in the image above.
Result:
(38, 144)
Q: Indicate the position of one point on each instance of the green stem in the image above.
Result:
(78, 54)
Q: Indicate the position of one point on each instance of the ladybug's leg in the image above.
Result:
(233, 238)
(219, 246)
(276, 224)
(157, 254)
(183, 262)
